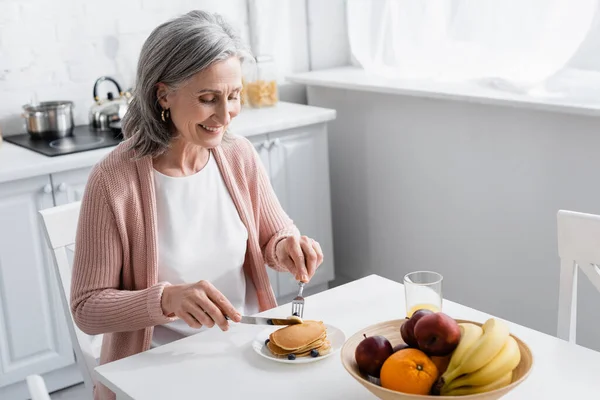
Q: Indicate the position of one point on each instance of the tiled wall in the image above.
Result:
(55, 50)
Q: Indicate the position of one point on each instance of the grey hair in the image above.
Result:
(174, 52)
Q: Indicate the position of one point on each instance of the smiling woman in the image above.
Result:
(189, 68)
(178, 222)
(201, 110)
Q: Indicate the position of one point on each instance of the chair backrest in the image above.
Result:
(60, 226)
(578, 249)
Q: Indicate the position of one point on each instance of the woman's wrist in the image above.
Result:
(165, 301)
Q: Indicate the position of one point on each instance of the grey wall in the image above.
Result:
(465, 189)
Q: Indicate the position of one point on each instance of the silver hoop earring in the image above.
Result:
(165, 114)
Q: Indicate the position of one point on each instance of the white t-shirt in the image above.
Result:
(201, 237)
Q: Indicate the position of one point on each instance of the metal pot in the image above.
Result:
(108, 110)
(49, 119)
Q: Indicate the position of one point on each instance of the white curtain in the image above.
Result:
(512, 44)
(276, 30)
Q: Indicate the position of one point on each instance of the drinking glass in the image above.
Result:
(423, 289)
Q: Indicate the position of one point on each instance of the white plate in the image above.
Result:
(335, 336)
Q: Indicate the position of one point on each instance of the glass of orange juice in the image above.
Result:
(423, 289)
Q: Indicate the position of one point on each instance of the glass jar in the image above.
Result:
(260, 85)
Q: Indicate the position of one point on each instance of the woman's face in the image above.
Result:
(202, 108)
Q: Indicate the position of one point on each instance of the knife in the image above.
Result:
(270, 321)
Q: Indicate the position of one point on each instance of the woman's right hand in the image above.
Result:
(198, 304)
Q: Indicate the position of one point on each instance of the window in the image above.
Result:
(521, 46)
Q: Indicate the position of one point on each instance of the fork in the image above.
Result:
(298, 302)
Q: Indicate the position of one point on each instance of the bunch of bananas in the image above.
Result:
(484, 360)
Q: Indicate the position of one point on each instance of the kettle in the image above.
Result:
(109, 110)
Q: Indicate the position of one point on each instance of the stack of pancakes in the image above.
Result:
(299, 339)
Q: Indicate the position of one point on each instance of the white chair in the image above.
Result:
(60, 226)
(578, 249)
(37, 388)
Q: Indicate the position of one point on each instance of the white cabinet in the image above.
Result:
(34, 337)
(261, 142)
(33, 331)
(300, 175)
(298, 166)
(69, 185)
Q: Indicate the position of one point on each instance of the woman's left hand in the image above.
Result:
(300, 255)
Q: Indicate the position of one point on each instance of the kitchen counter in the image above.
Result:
(18, 163)
(283, 116)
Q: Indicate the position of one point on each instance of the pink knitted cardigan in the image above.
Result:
(115, 289)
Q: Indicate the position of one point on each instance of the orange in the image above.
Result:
(409, 371)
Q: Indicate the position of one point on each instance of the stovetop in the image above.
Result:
(83, 139)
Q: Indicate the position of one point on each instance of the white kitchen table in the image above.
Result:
(222, 365)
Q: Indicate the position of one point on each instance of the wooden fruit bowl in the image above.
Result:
(391, 330)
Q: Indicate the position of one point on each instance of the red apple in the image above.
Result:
(437, 334)
(441, 362)
(407, 328)
(371, 353)
(400, 346)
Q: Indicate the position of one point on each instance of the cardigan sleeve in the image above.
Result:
(98, 304)
(274, 224)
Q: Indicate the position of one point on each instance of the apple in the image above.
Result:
(407, 328)
(437, 334)
(441, 362)
(371, 353)
(400, 346)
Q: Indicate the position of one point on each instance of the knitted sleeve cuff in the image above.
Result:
(270, 249)
(155, 312)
